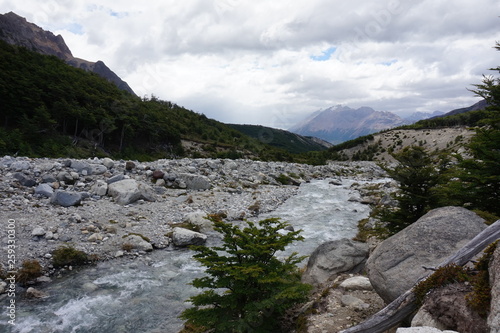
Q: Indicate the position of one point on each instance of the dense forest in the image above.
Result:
(51, 109)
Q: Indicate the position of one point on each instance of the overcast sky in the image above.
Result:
(274, 62)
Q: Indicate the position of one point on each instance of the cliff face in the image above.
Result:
(16, 30)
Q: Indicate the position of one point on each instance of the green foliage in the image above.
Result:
(68, 256)
(50, 109)
(416, 174)
(30, 270)
(247, 288)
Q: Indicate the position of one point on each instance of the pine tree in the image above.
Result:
(246, 287)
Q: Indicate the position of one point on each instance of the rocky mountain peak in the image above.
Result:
(16, 30)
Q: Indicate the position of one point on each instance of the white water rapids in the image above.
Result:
(137, 296)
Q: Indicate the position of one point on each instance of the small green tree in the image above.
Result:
(417, 172)
(247, 288)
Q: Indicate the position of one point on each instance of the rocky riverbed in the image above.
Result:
(94, 204)
(119, 210)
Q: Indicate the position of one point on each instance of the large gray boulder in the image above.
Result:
(338, 256)
(184, 237)
(397, 263)
(139, 243)
(494, 317)
(128, 191)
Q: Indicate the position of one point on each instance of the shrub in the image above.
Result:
(67, 255)
(247, 288)
(30, 270)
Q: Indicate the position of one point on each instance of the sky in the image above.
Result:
(275, 62)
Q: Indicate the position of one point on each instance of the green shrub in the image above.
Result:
(68, 256)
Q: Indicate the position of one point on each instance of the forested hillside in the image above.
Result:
(52, 109)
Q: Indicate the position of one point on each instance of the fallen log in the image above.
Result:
(405, 305)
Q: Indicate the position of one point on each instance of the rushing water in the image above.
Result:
(137, 296)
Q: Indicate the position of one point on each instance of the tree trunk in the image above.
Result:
(405, 305)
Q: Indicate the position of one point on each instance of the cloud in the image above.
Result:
(273, 62)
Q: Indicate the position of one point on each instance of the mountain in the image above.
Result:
(16, 30)
(291, 142)
(416, 116)
(341, 123)
(477, 106)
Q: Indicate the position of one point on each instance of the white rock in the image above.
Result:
(35, 293)
(357, 283)
(38, 231)
(100, 188)
(184, 237)
(138, 243)
(108, 163)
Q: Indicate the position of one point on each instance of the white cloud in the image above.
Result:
(253, 61)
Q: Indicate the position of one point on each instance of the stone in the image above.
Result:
(48, 179)
(422, 330)
(3, 285)
(23, 180)
(184, 237)
(49, 235)
(94, 237)
(357, 283)
(195, 182)
(138, 243)
(115, 179)
(157, 174)
(334, 257)
(494, 270)
(396, 264)
(199, 219)
(65, 177)
(353, 302)
(38, 231)
(20, 166)
(108, 163)
(43, 279)
(44, 190)
(449, 307)
(129, 165)
(81, 167)
(90, 287)
(35, 293)
(66, 199)
(424, 318)
(128, 191)
(100, 188)
(98, 169)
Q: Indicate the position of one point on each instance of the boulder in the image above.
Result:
(494, 317)
(397, 263)
(138, 243)
(115, 179)
(108, 163)
(38, 231)
(65, 177)
(128, 191)
(195, 182)
(66, 199)
(184, 237)
(338, 256)
(81, 167)
(44, 190)
(449, 307)
(20, 166)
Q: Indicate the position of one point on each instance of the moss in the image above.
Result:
(442, 276)
(30, 270)
(490, 218)
(67, 255)
(480, 298)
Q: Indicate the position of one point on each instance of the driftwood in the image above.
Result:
(405, 305)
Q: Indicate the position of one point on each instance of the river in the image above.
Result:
(147, 294)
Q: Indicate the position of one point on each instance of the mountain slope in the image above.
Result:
(16, 30)
(341, 123)
(286, 140)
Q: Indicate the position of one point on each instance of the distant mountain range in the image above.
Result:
(16, 30)
(341, 123)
